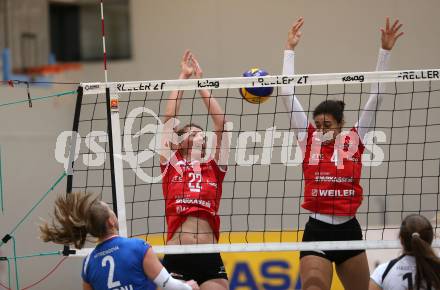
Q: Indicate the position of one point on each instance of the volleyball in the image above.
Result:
(256, 95)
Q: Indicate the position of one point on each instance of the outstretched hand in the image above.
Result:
(390, 34)
(198, 72)
(189, 66)
(186, 65)
(294, 34)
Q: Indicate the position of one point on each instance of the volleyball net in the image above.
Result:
(114, 151)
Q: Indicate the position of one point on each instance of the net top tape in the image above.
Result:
(264, 81)
(273, 247)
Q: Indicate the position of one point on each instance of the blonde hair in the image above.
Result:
(75, 216)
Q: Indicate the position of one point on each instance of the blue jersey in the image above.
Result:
(117, 264)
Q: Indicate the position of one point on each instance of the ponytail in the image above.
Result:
(416, 235)
(71, 220)
(428, 264)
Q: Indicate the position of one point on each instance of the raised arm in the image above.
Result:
(298, 119)
(173, 106)
(218, 117)
(367, 119)
(174, 100)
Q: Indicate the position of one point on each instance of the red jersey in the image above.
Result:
(193, 189)
(332, 175)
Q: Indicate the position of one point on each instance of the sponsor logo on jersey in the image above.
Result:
(194, 201)
(333, 192)
(213, 184)
(337, 179)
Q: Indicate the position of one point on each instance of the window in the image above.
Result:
(75, 31)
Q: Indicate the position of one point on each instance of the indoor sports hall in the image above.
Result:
(86, 88)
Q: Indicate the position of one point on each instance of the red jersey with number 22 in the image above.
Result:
(193, 189)
(330, 189)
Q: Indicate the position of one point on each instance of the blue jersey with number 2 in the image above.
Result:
(117, 264)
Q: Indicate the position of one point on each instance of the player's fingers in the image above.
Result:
(396, 22)
(298, 24)
(196, 63)
(399, 35)
(186, 55)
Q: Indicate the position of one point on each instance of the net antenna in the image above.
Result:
(114, 135)
(258, 203)
(114, 142)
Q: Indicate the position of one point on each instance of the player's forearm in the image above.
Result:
(367, 118)
(214, 109)
(173, 104)
(298, 119)
(382, 64)
(166, 282)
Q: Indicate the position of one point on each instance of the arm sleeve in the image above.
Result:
(367, 119)
(298, 119)
(377, 274)
(166, 282)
